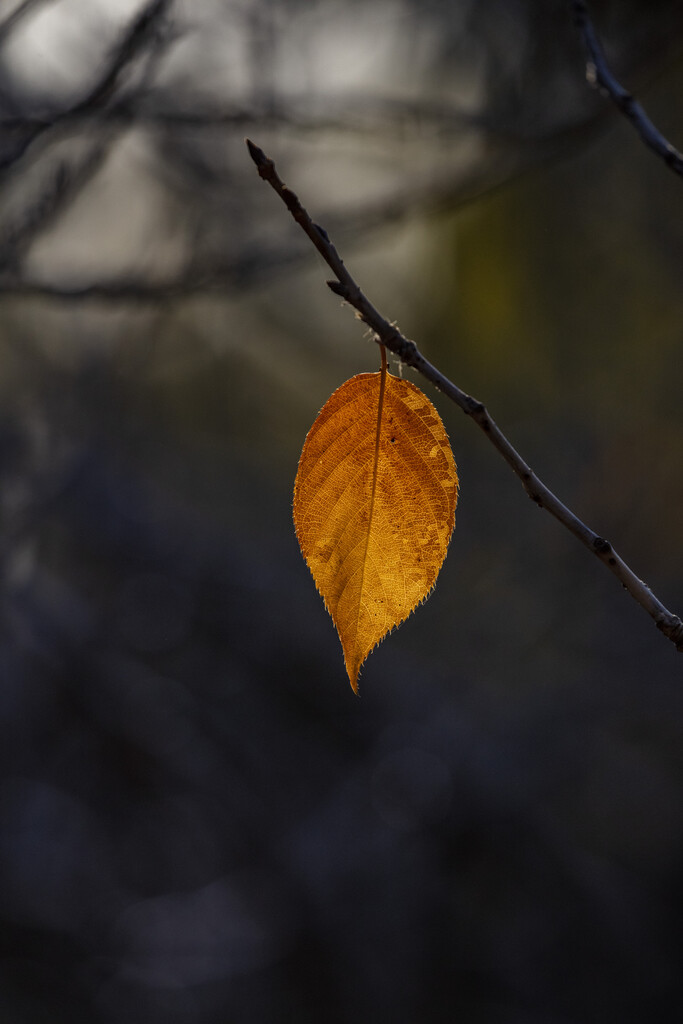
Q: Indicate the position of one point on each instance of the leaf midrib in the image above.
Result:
(375, 465)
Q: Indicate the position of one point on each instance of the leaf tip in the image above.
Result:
(353, 666)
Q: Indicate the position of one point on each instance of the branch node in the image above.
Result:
(405, 349)
(672, 627)
(474, 407)
(338, 288)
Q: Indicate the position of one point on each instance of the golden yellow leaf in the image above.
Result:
(374, 506)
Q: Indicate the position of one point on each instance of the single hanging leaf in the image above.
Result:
(374, 506)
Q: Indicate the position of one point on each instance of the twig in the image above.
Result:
(407, 351)
(599, 74)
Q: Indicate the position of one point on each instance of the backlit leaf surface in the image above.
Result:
(374, 506)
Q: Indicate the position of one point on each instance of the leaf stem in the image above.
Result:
(388, 335)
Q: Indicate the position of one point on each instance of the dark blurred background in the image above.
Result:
(200, 823)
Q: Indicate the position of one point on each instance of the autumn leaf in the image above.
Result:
(374, 506)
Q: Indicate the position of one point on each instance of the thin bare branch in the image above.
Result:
(598, 74)
(407, 351)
